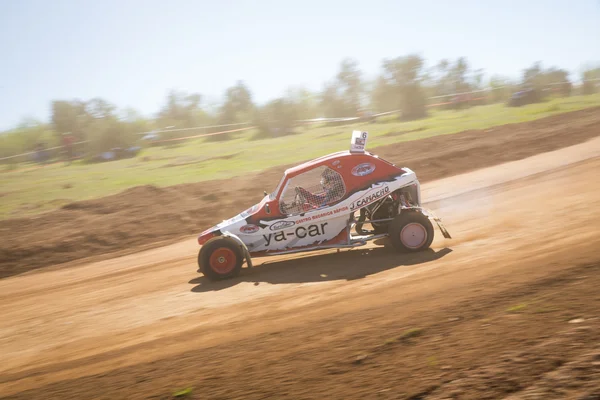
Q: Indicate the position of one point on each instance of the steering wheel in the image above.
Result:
(299, 198)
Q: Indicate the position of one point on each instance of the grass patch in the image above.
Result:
(32, 189)
(516, 309)
(432, 361)
(390, 341)
(406, 335)
(183, 393)
(411, 333)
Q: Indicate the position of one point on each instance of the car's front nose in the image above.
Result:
(207, 235)
(230, 224)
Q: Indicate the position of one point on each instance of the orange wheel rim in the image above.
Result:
(222, 260)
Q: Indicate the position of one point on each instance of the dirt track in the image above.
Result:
(143, 216)
(485, 315)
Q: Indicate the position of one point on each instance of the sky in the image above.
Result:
(132, 52)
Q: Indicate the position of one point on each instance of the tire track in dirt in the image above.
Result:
(293, 312)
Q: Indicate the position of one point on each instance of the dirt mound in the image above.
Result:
(148, 214)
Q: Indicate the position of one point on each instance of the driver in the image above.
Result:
(332, 185)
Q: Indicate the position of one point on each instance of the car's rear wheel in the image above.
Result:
(220, 259)
(411, 231)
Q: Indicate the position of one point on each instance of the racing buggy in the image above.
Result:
(325, 203)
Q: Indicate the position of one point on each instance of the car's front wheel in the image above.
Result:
(220, 259)
(411, 231)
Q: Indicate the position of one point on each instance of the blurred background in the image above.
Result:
(138, 92)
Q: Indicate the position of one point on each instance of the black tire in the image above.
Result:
(422, 232)
(220, 259)
(381, 228)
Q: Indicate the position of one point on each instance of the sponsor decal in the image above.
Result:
(363, 169)
(323, 214)
(300, 232)
(281, 225)
(370, 198)
(249, 211)
(358, 141)
(248, 229)
(362, 140)
(303, 220)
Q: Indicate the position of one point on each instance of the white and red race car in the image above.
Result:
(321, 204)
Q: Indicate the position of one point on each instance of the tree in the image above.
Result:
(458, 76)
(342, 97)
(500, 88)
(533, 76)
(70, 116)
(28, 133)
(440, 75)
(383, 96)
(332, 103)
(476, 81)
(98, 108)
(451, 78)
(136, 122)
(279, 117)
(276, 118)
(104, 130)
(349, 87)
(405, 75)
(182, 110)
(305, 102)
(454, 80)
(97, 122)
(541, 81)
(130, 114)
(590, 78)
(238, 106)
(558, 79)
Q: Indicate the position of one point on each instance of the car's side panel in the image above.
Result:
(304, 233)
(341, 240)
(317, 227)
